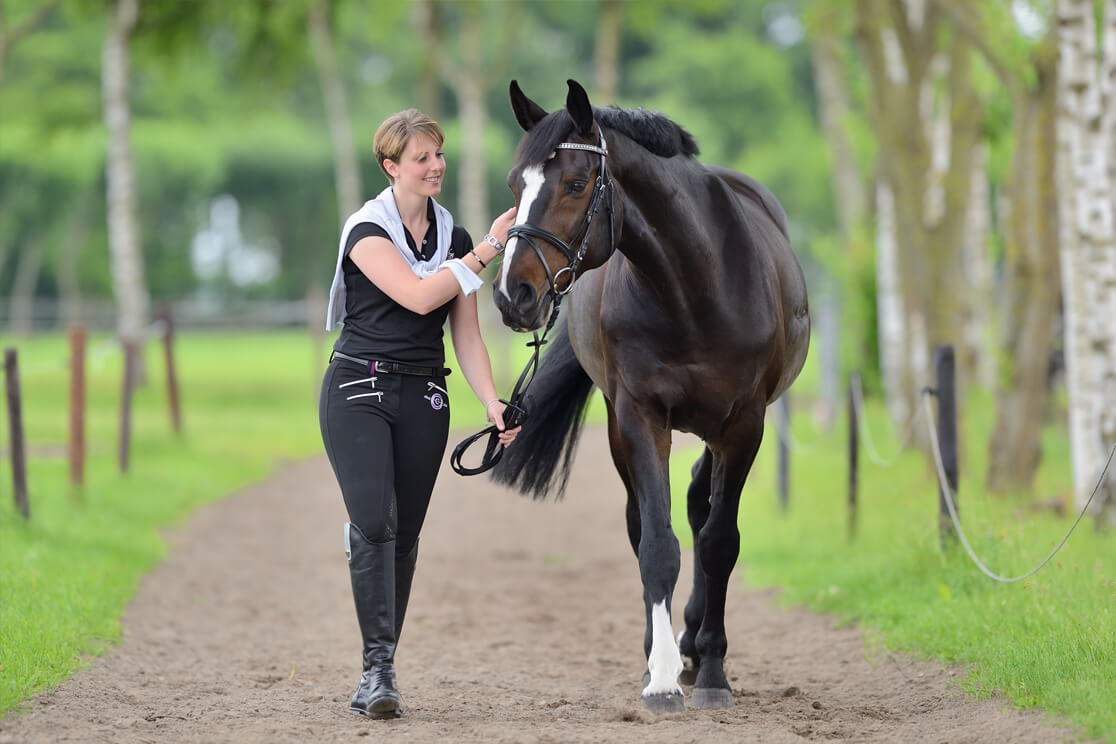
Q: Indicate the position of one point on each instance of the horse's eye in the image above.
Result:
(575, 187)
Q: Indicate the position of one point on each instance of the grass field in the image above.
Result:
(249, 404)
(1047, 641)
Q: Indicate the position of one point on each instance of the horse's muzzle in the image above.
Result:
(523, 308)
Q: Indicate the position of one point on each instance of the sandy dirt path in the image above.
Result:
(525, 625)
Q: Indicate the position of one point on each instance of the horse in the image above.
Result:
(687, 309)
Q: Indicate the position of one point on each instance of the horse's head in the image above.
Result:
(564, 225)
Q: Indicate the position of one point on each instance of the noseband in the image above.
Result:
(527, 232)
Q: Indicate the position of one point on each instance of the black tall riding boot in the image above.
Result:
(372, 570)
(404, 573)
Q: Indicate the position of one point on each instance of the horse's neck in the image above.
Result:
(664, 240)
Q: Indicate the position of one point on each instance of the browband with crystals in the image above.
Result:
(602, 150)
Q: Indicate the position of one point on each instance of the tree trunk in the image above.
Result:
(833, 111)
(1029, 224)
(1032, 291)
(892, 316)
(606, 52)
(346, 171)
(21, 307)
(850, 200)
(927, 119)
(897, 57)
(1088, 248)
(426, 19)
(9, 35)
(126, 258)
(471, 87)
(69, 279)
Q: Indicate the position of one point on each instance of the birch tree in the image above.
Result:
(1031, 280)
(346, 165)
(470, 76)
(850, 198)
(923, 181)
(1085, 128)
(126, 258)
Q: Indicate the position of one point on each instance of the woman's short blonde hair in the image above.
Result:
(392, 136)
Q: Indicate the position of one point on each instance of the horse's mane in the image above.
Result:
(650, 129)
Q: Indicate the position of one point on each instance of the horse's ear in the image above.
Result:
(527, 112)
(581, 111)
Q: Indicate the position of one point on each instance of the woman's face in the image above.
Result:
(420, 168)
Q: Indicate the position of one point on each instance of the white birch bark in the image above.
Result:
(346, 172)
(978, 272)
(126, 258)
(850, 200)
(894, 350)
(938, 133)
(1088, 246)
(891, 308)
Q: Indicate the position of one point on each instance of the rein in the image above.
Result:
(515, 414)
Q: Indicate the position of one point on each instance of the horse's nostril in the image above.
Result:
(524, 297)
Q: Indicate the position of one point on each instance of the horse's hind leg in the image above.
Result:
(697, 510)
(718, 546)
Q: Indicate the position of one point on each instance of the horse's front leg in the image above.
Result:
(697, 511)
(644, 448)
(718, 546)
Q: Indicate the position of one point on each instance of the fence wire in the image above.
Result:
(943, 483)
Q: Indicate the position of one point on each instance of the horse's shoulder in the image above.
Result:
(754, 191)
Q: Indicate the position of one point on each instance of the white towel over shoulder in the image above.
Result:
(383, 212)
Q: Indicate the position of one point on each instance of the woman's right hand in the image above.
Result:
(502, 224)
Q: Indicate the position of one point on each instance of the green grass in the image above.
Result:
(249, 403)
(1047, 641)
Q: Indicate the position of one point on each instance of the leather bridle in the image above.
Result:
(602, 195)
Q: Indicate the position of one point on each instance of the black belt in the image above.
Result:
(393, 368)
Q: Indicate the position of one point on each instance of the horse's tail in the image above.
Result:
(539, 460)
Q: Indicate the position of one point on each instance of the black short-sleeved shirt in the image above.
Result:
(376, 326)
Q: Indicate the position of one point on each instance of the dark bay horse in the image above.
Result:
(687, 308)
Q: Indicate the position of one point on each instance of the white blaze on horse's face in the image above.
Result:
(533, 180)
(665, 661)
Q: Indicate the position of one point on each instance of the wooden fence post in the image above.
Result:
(782, 424)
(130, 351)
(947, 438)
(164, 314)
(77, 406)
(854, 453)
(15, 429)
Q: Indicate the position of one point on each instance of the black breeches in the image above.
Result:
(385, 435)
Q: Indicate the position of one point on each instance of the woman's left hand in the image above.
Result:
(494, 412)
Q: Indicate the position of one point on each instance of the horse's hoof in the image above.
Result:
(662, 703)
(688, 677)
(711, 698)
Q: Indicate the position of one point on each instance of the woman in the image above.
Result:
(402, 268)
